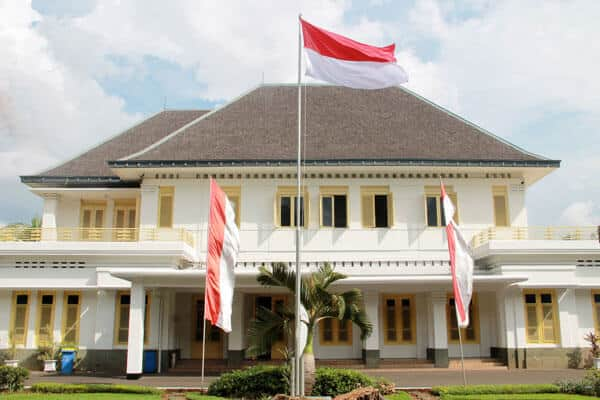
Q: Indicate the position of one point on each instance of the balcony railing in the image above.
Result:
(535, 233)
(25, 234)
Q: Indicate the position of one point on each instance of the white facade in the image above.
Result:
(108, 258)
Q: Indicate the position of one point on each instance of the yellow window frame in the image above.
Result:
(500, 191)
(399, 318)
(75, 326)
(291, 191)
(126, 232)
(330, 191)
(234, 193)
(367, 205)
(38, 325)
(335, 332)
(164, 192)
(596, 311)
(118, 310)
(473, 321)
(435, 191)
(540, 317)
(21, 341)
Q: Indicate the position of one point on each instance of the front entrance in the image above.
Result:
(273, 303)
(214, 335)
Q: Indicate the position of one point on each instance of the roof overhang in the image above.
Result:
(78, 181)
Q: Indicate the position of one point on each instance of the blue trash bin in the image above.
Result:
(66, 362)
(150, 361)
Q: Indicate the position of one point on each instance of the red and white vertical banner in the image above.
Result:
(461, 262)
(222, 252)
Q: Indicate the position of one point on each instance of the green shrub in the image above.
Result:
(12, 378)
(589, 385)
(333, 381)
(253, 382)
(495, 389)
(50, 387)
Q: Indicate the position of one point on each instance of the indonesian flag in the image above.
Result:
(342, 61)
(461, 263)
(222, 252)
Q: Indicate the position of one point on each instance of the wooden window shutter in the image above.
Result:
(368, 214)
(165, 210)
(390, 209)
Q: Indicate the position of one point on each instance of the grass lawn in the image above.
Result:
(521, 396)
(79, 396)
(398, 396)
(200, 396)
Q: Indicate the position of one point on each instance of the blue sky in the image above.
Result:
(79, 72)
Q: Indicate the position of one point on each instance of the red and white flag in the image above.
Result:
(222, 252)
(461, 262)
(342, 61)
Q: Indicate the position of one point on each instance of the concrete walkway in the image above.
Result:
(404, 378)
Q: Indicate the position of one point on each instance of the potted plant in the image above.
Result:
(594, 341)
(12, 351)
(47, 355)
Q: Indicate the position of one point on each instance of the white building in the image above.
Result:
(118, 265)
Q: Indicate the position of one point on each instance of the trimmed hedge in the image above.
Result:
(399, 396)
(518, 396)
(12, 378)
(252, 382)
(259, 381)
(51, 387)
(495, 389)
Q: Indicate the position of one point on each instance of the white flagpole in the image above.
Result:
(203, 346)
(298, 356)
(460, 344)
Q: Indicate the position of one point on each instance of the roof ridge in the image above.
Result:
(184, 127)
(472, 124)
(108, 139)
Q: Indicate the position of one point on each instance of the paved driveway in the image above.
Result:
(401, 377)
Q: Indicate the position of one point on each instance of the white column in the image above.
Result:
(372, 351)
(5, 304)
(58, 315)
(438, 335)
(135, 344)
(235, 339)
(568, 317)
(49, 216)
(149, 206)
(105, 319)
(31, 323)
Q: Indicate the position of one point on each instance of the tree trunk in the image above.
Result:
(309, 372)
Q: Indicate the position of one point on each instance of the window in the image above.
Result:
(71, 316)
(125, 220)
(335, 332)
(377, 207)
(434, 213)
(398, 313)
(596, 310)
(470, 334)
(235, 197)
(500, 198)
(334, 206)
(165, 207)
(20, 317)
(45, 321)
(286, 207)
(541, 316)
(92, 219)
(122, 318)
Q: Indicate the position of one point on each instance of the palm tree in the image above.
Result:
(318, 300)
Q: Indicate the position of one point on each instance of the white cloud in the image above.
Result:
(581, 213)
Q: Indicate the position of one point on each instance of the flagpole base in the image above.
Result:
(134, 376)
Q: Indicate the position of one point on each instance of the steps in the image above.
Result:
(477, 364)
(193, 367)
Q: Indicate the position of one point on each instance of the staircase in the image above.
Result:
(478, 364)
